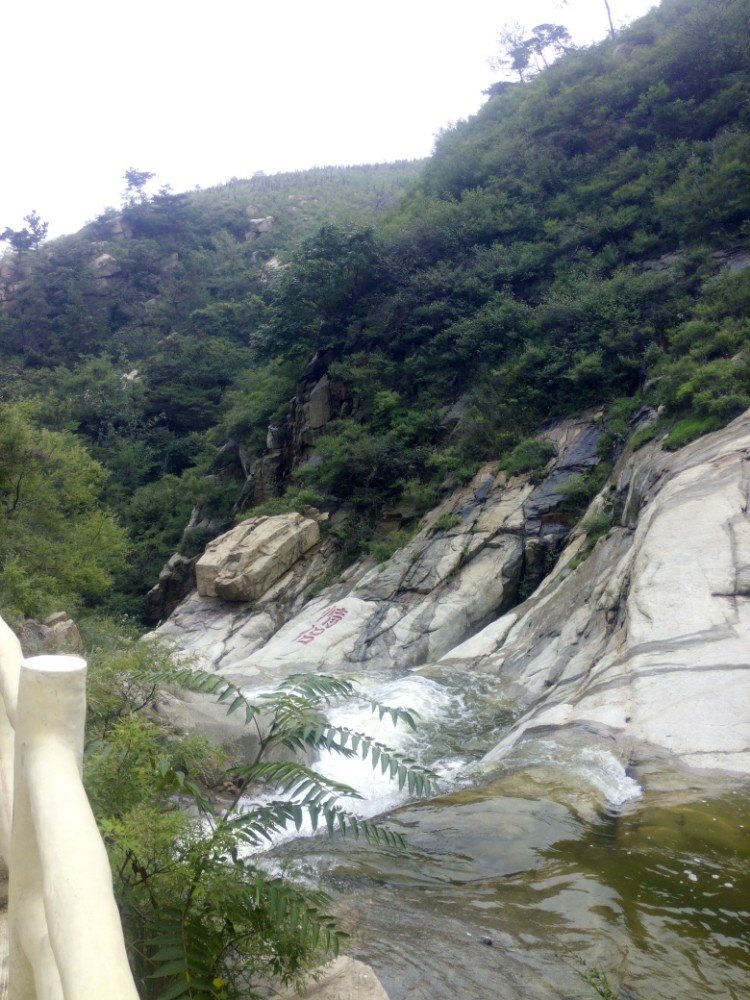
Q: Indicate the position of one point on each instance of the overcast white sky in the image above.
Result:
(201, 92)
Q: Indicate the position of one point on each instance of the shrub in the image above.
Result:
(580, 489)
(382, 549)
(529, 456)
(294, 500)
(597, 525)
(200, 917)
(690, 428)
(421, 496)
(444, 523)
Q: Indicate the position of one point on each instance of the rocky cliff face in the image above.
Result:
(462, 569)
(317, 400)
(643, 643)
(647, 642)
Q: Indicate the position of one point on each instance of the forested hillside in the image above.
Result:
(123, 340)
(581, 242)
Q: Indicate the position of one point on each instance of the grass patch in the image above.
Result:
(529, 456)
(689, 429)
(644, 435)
(382, 549)
(326, 580)
(444, 523)
(597, 526)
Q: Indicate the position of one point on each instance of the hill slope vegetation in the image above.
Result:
(581, 242)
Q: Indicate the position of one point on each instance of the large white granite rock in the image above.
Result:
(242, 564)
(648, 640)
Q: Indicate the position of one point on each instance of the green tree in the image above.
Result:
(546, 42)
(328, 281)
(58, 545)
(30, 237)
(135, 186)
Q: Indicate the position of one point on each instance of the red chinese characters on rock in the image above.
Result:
(330, 617)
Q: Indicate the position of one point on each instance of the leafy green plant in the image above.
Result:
(581, 488)
(594, 976)
(201, 916)
(58, 547)
(688, 429)
(644, 435)
(445, 522)
(382, 549)
(596, 527)
(529, 455)
(294, 500)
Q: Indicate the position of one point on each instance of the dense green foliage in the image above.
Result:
(141, 335)
(581, 242)
(202, 917)
(58, 544)
(577, 243)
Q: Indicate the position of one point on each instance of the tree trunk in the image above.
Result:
(609, 15)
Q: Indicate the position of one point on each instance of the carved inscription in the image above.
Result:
(330, 617)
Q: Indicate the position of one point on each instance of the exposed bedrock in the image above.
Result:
(459, 572)
(647, 641)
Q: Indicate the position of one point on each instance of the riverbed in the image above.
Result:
(562, 871)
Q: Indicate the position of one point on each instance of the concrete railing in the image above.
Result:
(65, 937)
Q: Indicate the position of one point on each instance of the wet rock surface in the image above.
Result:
(642, 643)
(343, 979)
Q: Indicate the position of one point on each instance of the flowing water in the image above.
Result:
(558, 866)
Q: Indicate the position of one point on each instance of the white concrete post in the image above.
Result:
(65, 936)
(10, 668)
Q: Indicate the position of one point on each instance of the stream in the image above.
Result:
(556, 867)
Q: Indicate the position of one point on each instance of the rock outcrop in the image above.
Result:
(647, 641)
(56, 634)
(176, 580)
(244, 563)
(641, 640)
(460, 571)
(318, 399)
(256, 227)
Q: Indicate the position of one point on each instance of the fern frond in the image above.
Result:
(294, 779)
(260, 822)
(397, 715)
(318, 689)
(204, 682)
(185, 953)
(421, 781)
(300, 913)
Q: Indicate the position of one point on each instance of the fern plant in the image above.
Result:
(203, 918)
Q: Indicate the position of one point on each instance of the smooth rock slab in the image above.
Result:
(648, 640)
(344, 979)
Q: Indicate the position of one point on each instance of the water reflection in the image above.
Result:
(560, 861)
(510, 896)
